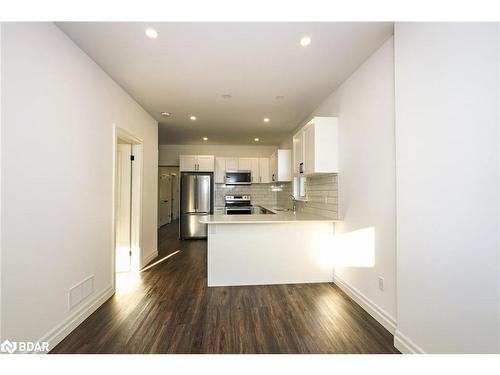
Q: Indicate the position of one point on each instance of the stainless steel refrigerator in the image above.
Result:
(197, 193)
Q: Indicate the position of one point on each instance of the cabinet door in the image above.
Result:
(231, 164)
(284, 165)
(255, 170)
(309, 149)
(298, 152)
(187, 163)
(264, 177)
(245, 164)
(273, 165)
(206, 163)
(220, 170)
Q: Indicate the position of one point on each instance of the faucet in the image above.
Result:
(294, 201)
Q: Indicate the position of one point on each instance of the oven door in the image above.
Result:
(238, 178)
(238, 210)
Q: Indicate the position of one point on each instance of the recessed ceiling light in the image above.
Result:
(266, 119)
(305, 41)
(205, 138)
(256, 139)
(166, 114)
(226, 96)
(192, 118)
(152, 33)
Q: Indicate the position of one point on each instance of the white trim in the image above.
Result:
(149, 258)
(405, 345)
(57, 334)
(382, 316)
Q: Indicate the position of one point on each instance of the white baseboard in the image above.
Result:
(405, 345)
(57, 334)
(149, 258)
(368, 305)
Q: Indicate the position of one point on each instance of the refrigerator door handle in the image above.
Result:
(195, 193)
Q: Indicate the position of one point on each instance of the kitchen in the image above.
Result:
(246, 200)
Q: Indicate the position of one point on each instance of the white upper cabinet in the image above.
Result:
(220, 170)
(264, 171)
(245, 164)
(196, 163)
(255, 170)
(281, 166)
(260, 168)
(315, 147)
(206, 163)
(298, 153)
(187, 163)
(232, 164)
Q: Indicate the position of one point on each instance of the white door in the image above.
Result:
(264, 171)
(206, 163)
(188, 163)
(165, 197)
(123, 207)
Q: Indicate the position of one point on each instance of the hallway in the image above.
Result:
(171, 310)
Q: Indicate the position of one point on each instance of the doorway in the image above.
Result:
(127, 210)
(168, 195)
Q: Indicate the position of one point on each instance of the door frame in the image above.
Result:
(137, 196)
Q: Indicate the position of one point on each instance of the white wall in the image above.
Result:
(58, 114)
(0, 181)
(169, 154)
(447, 146)
(364, 104)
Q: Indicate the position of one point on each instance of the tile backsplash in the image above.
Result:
(261, 193)
(322, 196)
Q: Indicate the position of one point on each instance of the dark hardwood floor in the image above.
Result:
(169, 309)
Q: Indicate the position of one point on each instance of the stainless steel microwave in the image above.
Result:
(238, 178)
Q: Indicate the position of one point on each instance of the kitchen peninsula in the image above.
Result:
(280, 247)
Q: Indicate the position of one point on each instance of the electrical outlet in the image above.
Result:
(381, 283)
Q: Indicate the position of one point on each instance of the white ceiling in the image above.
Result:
(189, 67)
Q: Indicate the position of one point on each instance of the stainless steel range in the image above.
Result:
(238, 205)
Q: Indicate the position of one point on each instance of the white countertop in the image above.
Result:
(277, 217)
